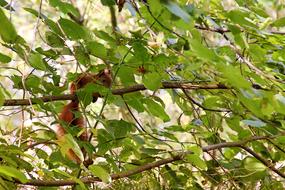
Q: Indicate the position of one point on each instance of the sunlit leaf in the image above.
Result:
(14, 173)
(195, 157)
(6, 5)
(253, 164)
(152, 80)
(279, 22)
(175, 9)
(4, 58)
(64, 7)
(96, 49)
(68, 143)
(72, 30)
(7, 33)
(2, 97)
(254, 123)
(101, 173)
(240, 17)
(156, 110)
(36, 61)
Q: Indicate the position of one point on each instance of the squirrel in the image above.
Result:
(67, 114)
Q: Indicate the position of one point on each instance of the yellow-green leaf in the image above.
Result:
(36, 61)
(4, 58)
(7, 30)
(101, 173)
(67, 142)
(13, 172)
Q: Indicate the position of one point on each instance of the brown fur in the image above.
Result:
(67, 114)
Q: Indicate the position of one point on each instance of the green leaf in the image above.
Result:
(260, 11)
(108, 2)
(4, 58)
(54, 40)
(126, 75)
(151, 151)
(64, 7)
(252, 164)
(241, 18)
(175, 9)
(13, 172)
(140, 52)
(35, 13)
(280, 98)
(100, 172)
(203, 52)
(4, 185)
(281, 139)
(239, 36)
(195, 149)
(279, 22)
(7, 33)
(65, 174)
(2, 97)
(254, 123)
(251, 103)
(195, 157)
(54, 27)
(85, 94)
(156, 110)
(105, 141)
(37, 62)
(233, 77)
(96, 49)
(66, 143)
(196, 161)
(41, 154)
(82, 55)
(33, 81)
(50, 23)
(48, 53)
(257, 53)
(279, 103)
(72, 30)
(135, 101)
(230, 153)
(152, 80)
(105, 36)
(118, 128)
(6, 5)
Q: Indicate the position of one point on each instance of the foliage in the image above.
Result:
(202, 94)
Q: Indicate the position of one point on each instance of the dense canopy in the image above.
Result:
(197, 97)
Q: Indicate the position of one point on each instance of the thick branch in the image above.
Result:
(179, 156)
(135, 88)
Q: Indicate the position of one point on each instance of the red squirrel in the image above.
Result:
(68, 113)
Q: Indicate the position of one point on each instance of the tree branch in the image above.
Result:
(128, 173)
(263, 161)
(235, 144)
(149, 166)
(135, 88)
(225, 30)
